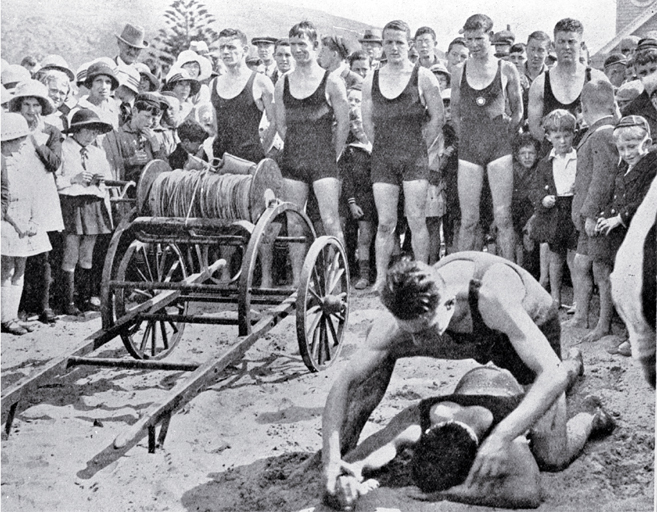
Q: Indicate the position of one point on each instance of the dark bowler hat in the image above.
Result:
(86, 118)
(372, 35)
(97, 69)
(133, 35)
(264, 39)
(615, 58)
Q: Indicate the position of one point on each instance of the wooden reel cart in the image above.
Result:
(184, 219)
(165, 255)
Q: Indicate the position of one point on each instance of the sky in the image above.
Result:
(446, 17)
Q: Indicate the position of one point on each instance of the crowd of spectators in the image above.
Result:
(494, 144)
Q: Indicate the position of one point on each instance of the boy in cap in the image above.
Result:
(645, 66)
(134, 144)
(615, 67)
(635, 173)
(265, 45)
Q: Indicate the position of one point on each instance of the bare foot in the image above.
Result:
(367, 486)
(576, 323)
(377, 287)
(575, 354)
(347, 491)
(595, 335)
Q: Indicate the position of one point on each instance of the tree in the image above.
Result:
(187, 21)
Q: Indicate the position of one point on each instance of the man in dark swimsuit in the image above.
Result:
(443, 434)
(561, 87)
(493, 311)
(403, 118)
(308, 100)
(239, 97)
(480, 93)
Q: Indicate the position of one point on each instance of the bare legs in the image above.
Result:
(470, 181)
(327, 191)
(386, 198)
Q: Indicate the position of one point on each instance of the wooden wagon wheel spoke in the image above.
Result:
(324, 286)
(151, 264)
(334, 334)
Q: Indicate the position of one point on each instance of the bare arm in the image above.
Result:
(263, 88)
(535, 107)
(456, 100)
(279, 108)
(366, 107)
(430, 91)
(514, 93)
(501, 309)
(337, 94)
(353, 397)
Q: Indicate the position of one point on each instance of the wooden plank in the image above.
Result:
(186, 390)
(13, 393)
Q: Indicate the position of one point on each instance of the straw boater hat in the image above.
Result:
(187, 56)
(13, 74)
(31, 89)
(86, 118)
(100, 69)
(128, 77)
(144, 70)
(57, 62)
(14, 126)
(178, 75)
(133, 35)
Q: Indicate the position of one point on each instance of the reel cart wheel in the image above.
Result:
(148, 264)
(322, 307)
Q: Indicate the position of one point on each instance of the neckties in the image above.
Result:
(84, 153)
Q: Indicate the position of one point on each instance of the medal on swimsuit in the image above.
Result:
(481, 101)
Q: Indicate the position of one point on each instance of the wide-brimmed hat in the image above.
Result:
(57, 62)
(179, 75)
(264, 39)
(187, 56)
(372, 35)
(14, 74)
(128, 77)
(133, 35)
(14, 126)
(144, 70)
(31, 89)
(5, 95)
(87, 118)
(97, 69)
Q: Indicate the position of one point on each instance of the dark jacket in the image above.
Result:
(597, 159)
(630, 189)
(642, 106)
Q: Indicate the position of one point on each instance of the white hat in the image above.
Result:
(129, 77)
(14, 126)
(13, 74)
(31, 89)
(204, 64)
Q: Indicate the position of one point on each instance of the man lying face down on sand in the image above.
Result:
(443, 435)
(469, 305)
